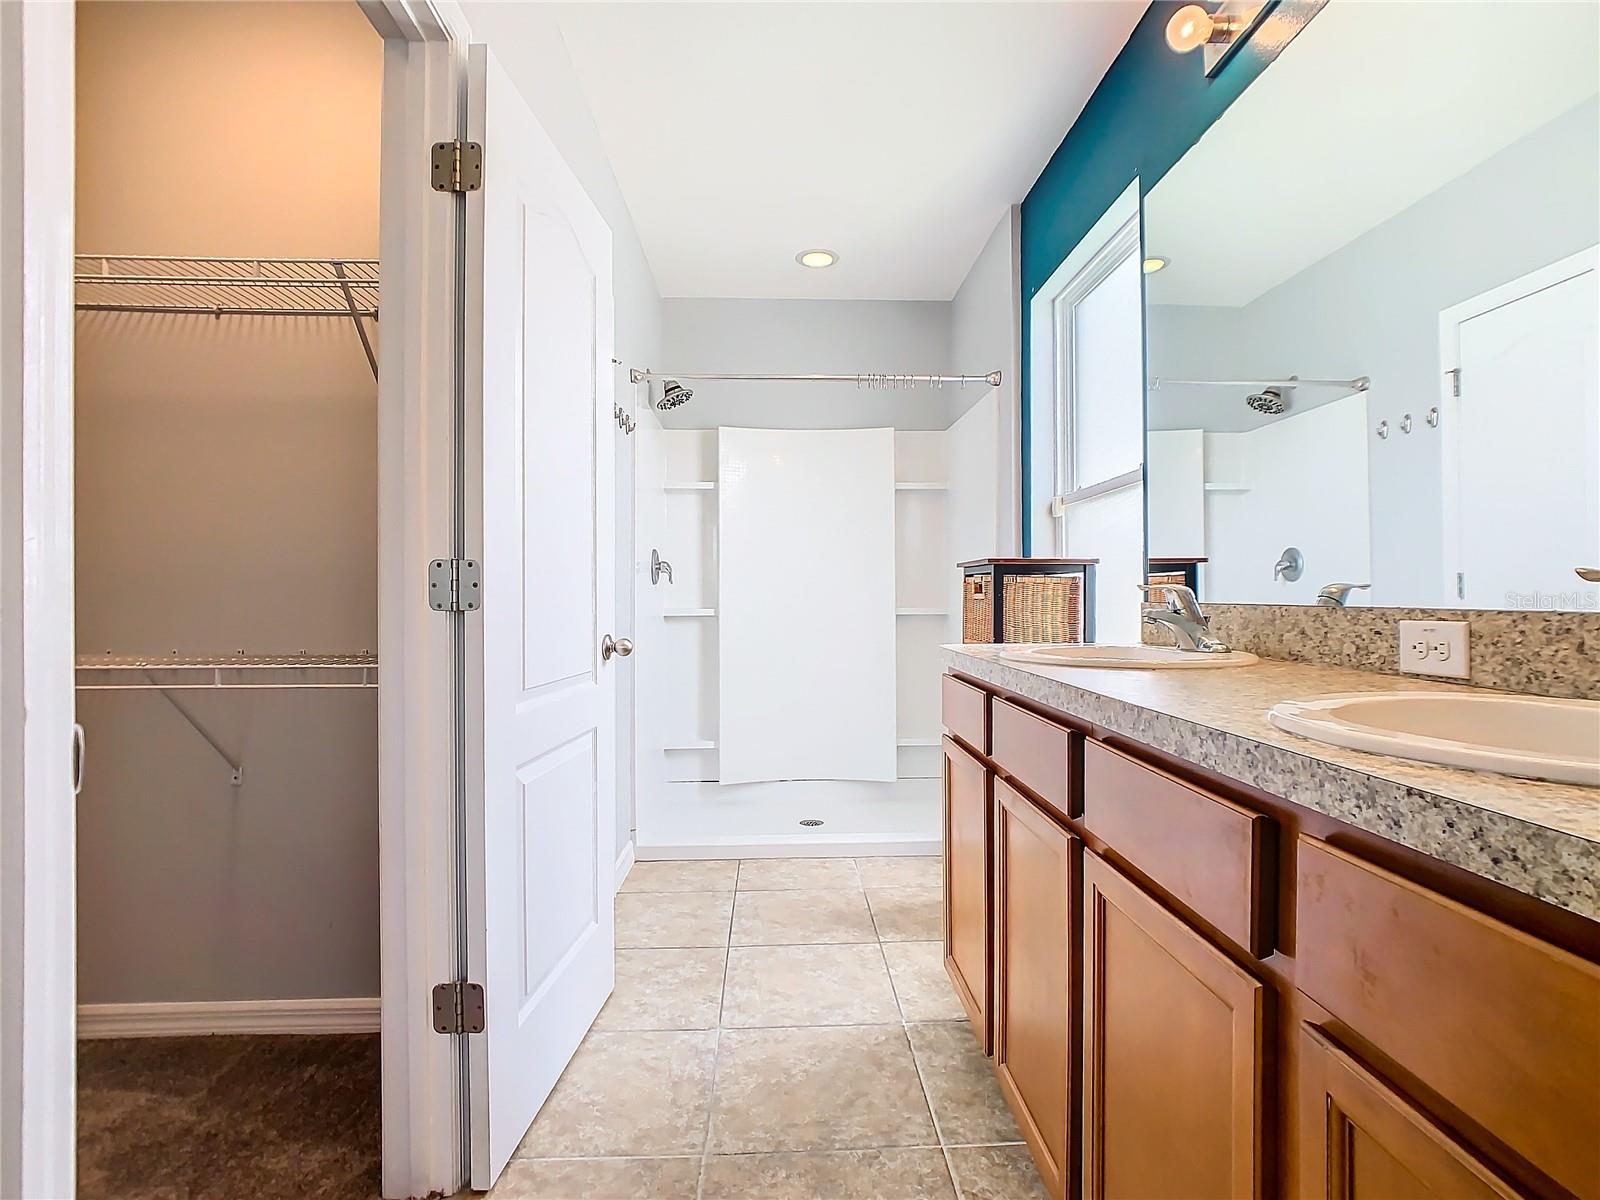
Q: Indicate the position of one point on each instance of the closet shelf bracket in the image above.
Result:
(236, 769)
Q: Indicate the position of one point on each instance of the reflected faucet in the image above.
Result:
(1336, 595)
(1184, 616)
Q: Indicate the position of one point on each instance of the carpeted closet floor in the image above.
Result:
(225, 1118)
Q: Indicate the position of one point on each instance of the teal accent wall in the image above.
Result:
(1151, 106)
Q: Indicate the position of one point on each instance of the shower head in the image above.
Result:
(1270, 401)
(674, 394)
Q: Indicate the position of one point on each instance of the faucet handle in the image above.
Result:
(1334, 595)
(1180, 598)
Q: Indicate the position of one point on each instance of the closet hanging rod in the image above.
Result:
(864, 379)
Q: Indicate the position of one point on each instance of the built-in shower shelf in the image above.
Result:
(693, 485)
(688, 612)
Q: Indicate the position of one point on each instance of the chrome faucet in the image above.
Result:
(1184, 616)
(1336, 595)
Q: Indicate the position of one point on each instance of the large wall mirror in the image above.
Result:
(1371, 318)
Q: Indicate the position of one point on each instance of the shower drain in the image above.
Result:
(811, 822)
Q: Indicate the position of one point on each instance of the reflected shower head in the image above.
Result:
(1270, 401)
(674, 394)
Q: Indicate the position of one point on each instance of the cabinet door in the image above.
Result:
(1035, 911)
(969, 886)
(1362, 1141)
(1173, 1043)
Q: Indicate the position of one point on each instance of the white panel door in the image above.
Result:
(1526, 438)
(541, 718)
(806, 604)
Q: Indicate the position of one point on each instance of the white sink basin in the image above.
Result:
(1527, 736)
(1158, 657)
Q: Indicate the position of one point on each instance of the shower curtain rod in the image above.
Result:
(865, 379)
(1359, 384)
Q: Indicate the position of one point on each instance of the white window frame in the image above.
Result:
(1070, 489)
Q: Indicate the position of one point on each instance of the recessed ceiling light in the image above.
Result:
(816, 259)
(1154, 263)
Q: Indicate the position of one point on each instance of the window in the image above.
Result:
(1098, 327)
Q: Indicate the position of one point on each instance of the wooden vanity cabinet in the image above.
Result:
(1036, 916)
(1201, 990)
(968, 884)
(1174, 1052)
(1362, 1140)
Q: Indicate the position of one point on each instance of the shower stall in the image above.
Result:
(796, 537)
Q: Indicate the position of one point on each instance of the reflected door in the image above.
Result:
(1526, 434)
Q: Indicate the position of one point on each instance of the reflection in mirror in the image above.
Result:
(1372, 344)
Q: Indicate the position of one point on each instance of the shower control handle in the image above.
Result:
(621, 647)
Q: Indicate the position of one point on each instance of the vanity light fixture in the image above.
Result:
(816, 259)
(1155, 263)
(1220, 30)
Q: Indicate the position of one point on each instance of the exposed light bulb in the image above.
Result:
(1189, 28)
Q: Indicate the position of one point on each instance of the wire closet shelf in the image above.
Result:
(276, 672)
(232, 287)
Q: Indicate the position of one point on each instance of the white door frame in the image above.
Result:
(423, 1072)
(1450, 322)
(38, 963)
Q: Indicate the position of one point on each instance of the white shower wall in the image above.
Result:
(690, 811)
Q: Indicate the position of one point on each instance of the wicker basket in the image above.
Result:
(977, 608)
(1043, 608)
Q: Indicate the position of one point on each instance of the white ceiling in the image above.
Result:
(1371, 108)
(895, 134)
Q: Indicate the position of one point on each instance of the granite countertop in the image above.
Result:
(1542, 839)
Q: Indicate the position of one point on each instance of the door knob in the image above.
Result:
(1588, 574)
(621, 647)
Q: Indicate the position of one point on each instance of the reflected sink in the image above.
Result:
(1158, 657)
(1531, 737)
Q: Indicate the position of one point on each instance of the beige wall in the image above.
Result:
(227, 499)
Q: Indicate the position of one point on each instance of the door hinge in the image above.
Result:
(1455, 381)
(455, 585)
(458, 1007)
(457, 166)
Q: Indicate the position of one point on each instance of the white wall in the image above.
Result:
(985, 329)
(527, 41)
(1372, 308)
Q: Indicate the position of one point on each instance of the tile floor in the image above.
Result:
(782, 1029)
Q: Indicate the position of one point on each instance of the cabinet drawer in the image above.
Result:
(1206, 852)
(1037, 754)
(965, 712)
(1501, 1025)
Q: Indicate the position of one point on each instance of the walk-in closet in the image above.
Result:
(226, 599)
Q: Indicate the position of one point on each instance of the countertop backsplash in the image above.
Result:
(1533, 652)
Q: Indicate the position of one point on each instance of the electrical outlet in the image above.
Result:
(1434, 648)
